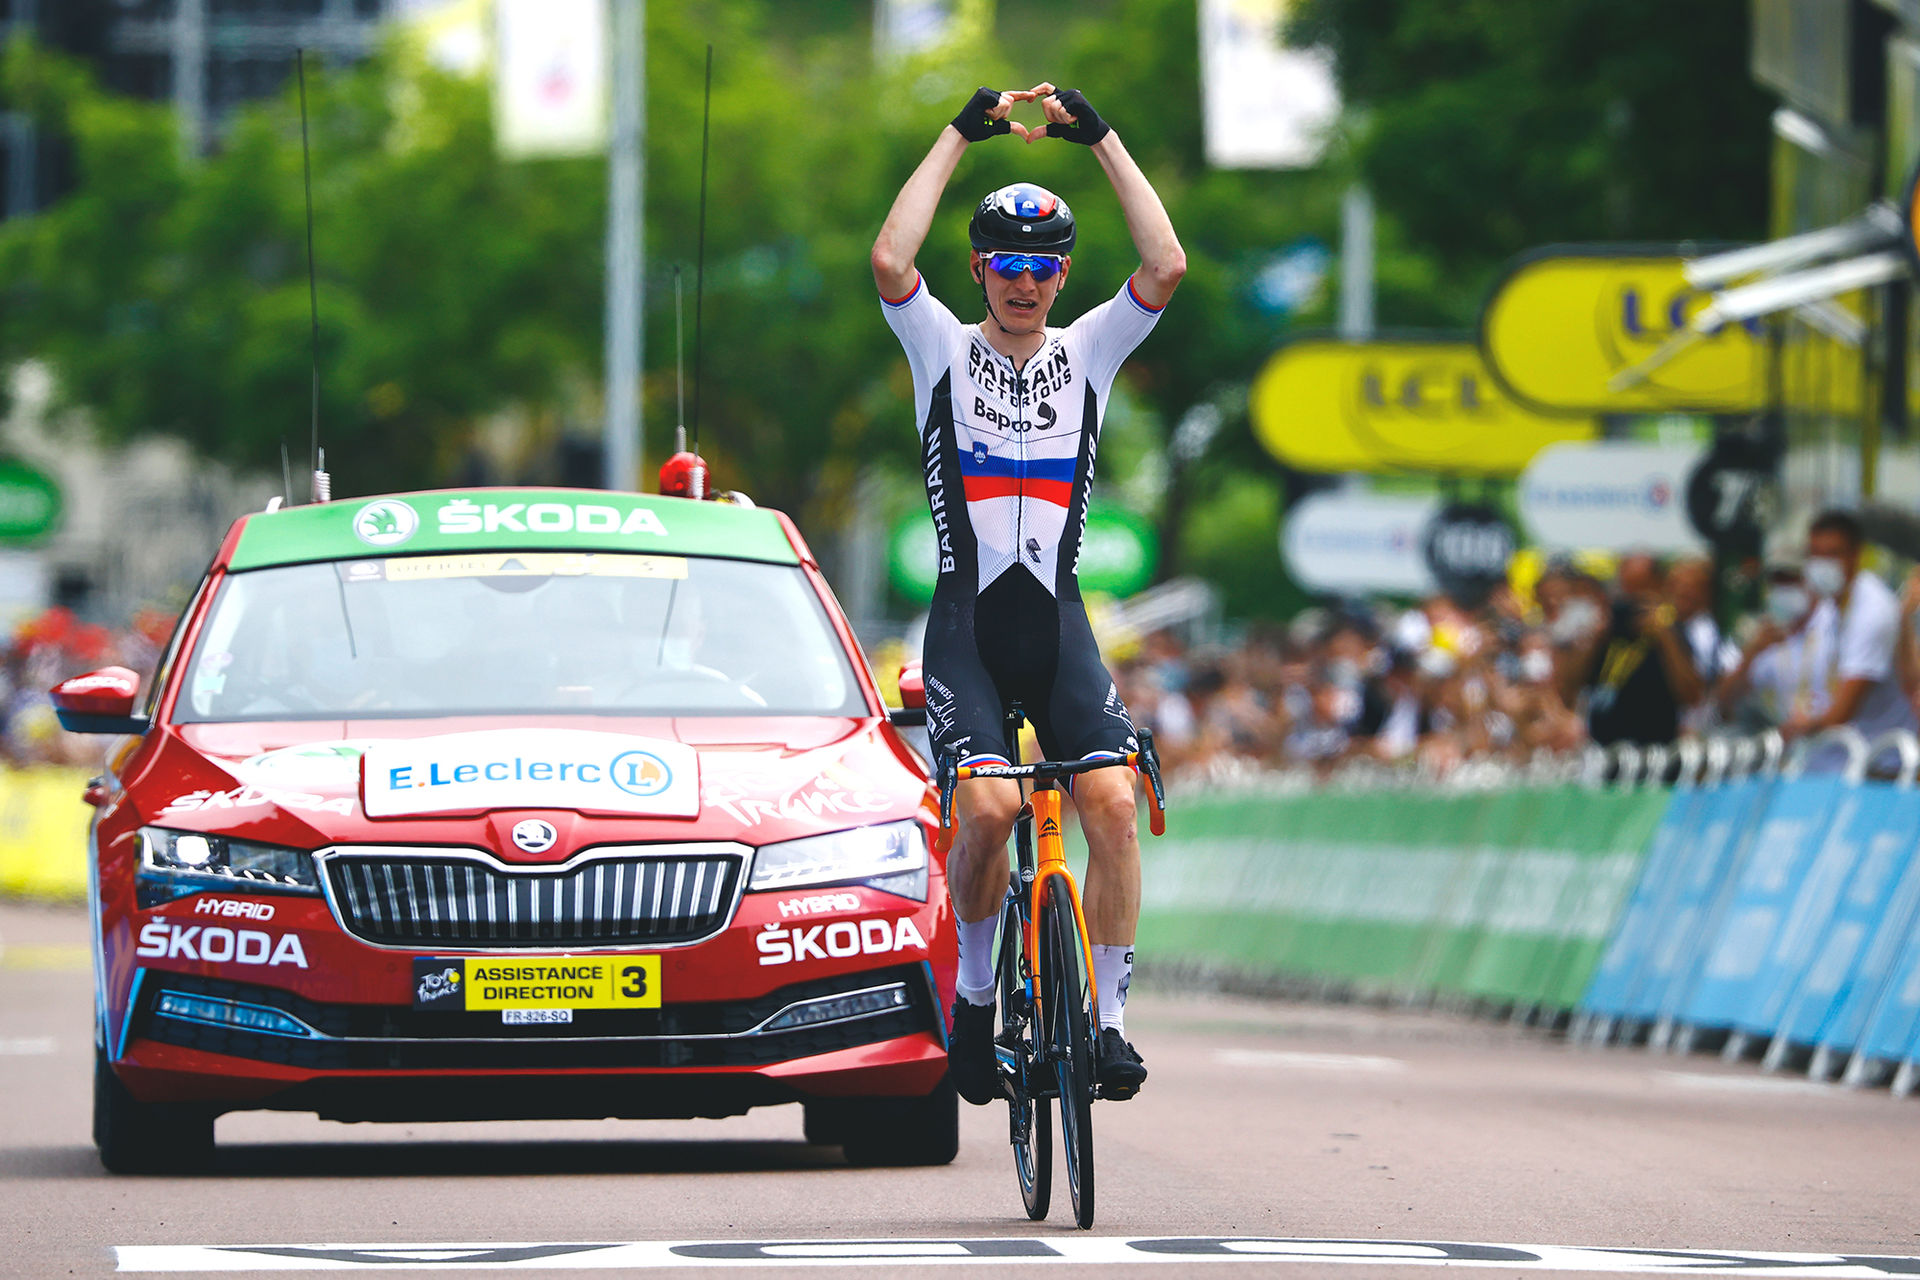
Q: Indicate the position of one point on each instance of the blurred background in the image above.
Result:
(1459, 382)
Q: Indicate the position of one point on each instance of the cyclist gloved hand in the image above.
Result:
(1087, 127)
(975, 122)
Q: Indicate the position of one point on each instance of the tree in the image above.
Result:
(1485, 127)
(455, 286)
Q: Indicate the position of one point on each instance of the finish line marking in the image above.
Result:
(1076, 1249)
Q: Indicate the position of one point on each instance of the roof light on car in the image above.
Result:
(890, 856)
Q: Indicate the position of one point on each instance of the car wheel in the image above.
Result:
(903, 1131)
(146, 1137)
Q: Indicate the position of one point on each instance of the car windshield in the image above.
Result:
(517, 633)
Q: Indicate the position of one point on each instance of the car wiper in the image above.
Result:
(346, 616)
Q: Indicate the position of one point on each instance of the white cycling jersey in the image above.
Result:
(1015, 446)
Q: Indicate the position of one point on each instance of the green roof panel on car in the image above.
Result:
(510, 520)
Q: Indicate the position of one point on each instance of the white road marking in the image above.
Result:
(1286, 1058)
(1175, 1251)
(1746, 1084)
(26, 1046)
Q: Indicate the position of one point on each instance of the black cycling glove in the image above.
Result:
(1087, 129)
(972, 122)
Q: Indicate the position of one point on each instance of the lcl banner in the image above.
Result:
(1325, 405)
(1563, 321)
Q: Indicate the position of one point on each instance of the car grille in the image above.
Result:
(437, 898)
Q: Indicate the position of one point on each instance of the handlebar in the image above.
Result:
(1146, 761)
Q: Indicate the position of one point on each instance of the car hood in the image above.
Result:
(306, 783)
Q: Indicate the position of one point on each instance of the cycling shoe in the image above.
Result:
(970, 1058)
(1116, 1067)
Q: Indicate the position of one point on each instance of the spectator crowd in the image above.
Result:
(1579, 657)
(53, 645)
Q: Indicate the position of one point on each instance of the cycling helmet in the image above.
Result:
(1022, 218)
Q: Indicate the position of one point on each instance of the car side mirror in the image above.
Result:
(99, 702)
(913, 697)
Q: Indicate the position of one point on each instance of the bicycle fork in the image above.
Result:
(1051, 857)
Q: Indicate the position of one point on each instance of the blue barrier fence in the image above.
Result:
(1777, 915)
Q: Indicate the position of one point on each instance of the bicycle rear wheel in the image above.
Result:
(1069, 1015)
(1030, 1121)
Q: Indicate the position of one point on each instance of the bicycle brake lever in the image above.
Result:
(949, 779)
(1156, 791)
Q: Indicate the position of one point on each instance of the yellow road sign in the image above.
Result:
(1392, 405)
(1563, 322)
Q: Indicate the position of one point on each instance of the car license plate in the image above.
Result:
(534, 1017)
(486, 983)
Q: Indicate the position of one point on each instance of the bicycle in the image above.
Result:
(1047, 1019)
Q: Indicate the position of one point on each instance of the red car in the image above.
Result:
(506, 804)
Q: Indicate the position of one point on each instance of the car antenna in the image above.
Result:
(684, 475)
(700, 258)
(679, 365)
(322, 482)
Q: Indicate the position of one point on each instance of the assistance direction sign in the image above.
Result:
(1564, 322)
(1397, 405)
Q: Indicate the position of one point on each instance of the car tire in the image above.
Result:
(901, 1131)
(147, 1137)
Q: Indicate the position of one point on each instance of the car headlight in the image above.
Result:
(220, 861)
(891, 856)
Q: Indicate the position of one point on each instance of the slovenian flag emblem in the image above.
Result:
(1044, 479)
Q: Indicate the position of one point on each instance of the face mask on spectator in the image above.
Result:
(1578, 618)
(1785, 604)
(1826, 577)
(1536, 666)
(1344, 672)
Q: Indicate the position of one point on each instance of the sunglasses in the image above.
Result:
(1009, 265)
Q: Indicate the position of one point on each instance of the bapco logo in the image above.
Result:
(385, 523)
(534, 835)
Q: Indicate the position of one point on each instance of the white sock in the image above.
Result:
(976, 958)
(1112, 974)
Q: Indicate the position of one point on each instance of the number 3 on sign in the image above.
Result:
(634, 982)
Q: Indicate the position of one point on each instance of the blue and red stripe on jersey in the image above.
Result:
(906, 297)
(1045, 479)
(1138, 301)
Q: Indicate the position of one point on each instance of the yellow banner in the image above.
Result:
(563, 982)
(1559, 328)
(1323, 405)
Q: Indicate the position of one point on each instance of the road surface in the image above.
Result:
(1262, 1122)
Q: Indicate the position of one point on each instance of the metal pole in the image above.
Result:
(190, 75)
(23, 160)
(625, 227)
(1356, 264)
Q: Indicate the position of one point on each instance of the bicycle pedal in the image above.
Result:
(1115, 1092)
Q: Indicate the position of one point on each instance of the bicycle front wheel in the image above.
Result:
(1069, 1018)
(1030, 1122)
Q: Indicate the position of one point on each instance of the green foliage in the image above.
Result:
(1485, 127)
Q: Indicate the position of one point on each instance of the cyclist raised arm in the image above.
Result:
(1009, 412)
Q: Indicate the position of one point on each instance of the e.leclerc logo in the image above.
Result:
(386, 523)
(640, 773)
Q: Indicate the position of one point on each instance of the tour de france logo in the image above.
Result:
(385, 523)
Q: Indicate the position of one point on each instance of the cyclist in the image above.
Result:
(1009, 414)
